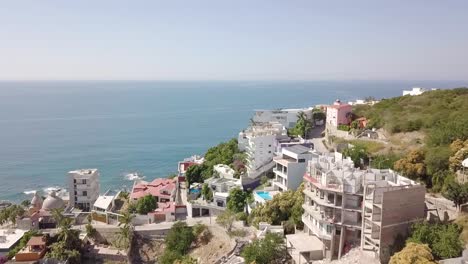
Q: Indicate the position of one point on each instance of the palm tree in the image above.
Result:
(125, 234)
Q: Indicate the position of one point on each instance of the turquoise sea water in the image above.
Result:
(49, 128)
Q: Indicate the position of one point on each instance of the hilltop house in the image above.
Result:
(338, 114)
(160, 188)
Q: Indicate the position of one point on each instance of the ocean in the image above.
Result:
(51, 127)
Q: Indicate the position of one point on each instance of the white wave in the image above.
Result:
(133, 176)
(29, 192)
(52, 188)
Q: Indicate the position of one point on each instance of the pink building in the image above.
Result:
(337, 113)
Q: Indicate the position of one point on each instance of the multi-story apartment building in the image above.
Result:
(290, 167)
(258, 141)
(83, 188)
(286, 117)
(345, 207)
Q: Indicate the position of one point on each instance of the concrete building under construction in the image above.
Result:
(346, 207)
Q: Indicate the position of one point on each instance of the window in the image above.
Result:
(329, 229)
(83, 181)
(85, 193)
(269, 145)
(269, 151)
(301, 160)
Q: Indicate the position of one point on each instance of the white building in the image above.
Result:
(9, 238)
(258, 141)
(83, 188)
(286, 117)
(345, 207)
(290, 167)
(224, 171)
(414, 91)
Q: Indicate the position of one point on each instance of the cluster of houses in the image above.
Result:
(344, 206)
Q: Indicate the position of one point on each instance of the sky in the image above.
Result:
(234, 40)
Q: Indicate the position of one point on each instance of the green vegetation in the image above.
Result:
(443, 239)
(146, 204)
(302, 127)
(343, 127)
(226, 219)
(24, 240)
(68, 244)
(282, 207)
(238, 199)
(179, 240)
(10, 213)
(207, 192)
(413, 253)
(124, 237)
(90, 230)
(271, 249)
(458, 193)
(358, 155)
(225, 153)
(441, 116)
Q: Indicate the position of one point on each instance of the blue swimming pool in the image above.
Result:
(194, 191)
(264, 195)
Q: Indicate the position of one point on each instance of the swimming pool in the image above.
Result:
(264, 195)
(194, 191)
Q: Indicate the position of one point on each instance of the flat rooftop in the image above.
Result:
(11, 236)
(298, 149)
(103, 201)
(302, 242)
(83, 171)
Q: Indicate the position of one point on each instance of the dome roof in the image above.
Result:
(52, 202)
(36, 201)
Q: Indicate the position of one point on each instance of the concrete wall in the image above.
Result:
(400, 209)
(295, 175)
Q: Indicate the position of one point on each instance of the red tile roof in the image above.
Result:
(160, 187)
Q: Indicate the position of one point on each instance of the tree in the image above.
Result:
(303, 125)
(124, 237)
(90, 230)
(412, 165)
(207, 192)
(226, 219)
(237, 200)
(281, 207)
(358, 155)
(146, 204)
(270, 249)
(10, 214)
(443, 239)
(457, 193)
(180, 238)
(413, 253)
(459, 151)
(68, 243)
(194, 173)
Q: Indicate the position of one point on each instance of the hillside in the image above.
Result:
(442, 115)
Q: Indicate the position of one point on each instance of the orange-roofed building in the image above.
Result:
(160, 188)
(35, 249)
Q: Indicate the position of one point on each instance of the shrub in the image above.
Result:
(146, 204)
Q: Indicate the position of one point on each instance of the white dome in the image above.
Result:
(36, 201)
(465, 163)
(52, 202)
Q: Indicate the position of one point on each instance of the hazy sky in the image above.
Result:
(236, 40)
